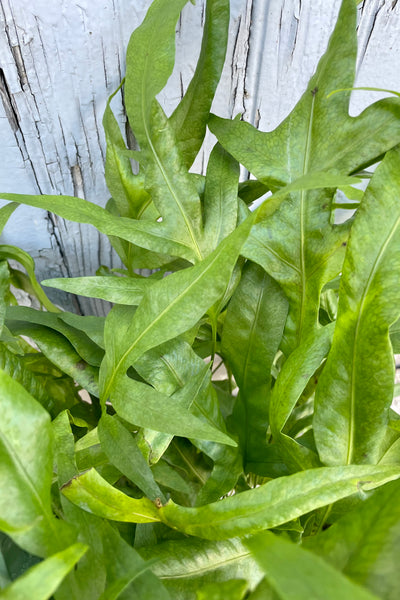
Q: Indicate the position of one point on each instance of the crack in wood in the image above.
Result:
(10, 107)
(371, 27)
(20, 65)
(56, 240)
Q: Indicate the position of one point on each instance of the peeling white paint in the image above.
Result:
(61, 60)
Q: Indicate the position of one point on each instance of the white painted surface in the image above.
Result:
(61, 60)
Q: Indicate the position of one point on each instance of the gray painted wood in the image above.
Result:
(60, 61)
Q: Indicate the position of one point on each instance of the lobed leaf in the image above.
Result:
(295, 241)
(150, 60)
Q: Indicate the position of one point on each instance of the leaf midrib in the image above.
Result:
(30, 484)
(155, 322)
(188, 225)
(350, 450)
(213, 567)
(271, 506)
(303, 278)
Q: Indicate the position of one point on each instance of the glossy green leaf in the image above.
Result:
(129, 198)
(167, 368)
(126, 188)
(5, 213)
(92, 493)
(123, 452)
(186, 460)
(26, 473)
(84, 346)
(60, 352)
(170, 368)
(52, 390)
(351, 408)
(121, 290)
(272, 504)
(364, 543)
(14, 253)
(169, 308)
(128, 575)
(92, 326)
(298, 245)
(170, 478)
(43, 579)
(190, 117)
(297, 574)
(220, 198)
(144, 406)
(89, 580)
(290, 384)
(146, 234)
(150, 60)
(276, 502)
(235, 589)
(251, 336)
(184, 566)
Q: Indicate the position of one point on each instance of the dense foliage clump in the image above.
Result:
(239, 441)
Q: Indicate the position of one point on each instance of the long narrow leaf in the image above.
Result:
(121, 290)
(45, 577)
(351, 410)
(150, 59)
(26, 472)
(146, 234)
(168, 309)
(272, 504)
(290, 384)
(189, 119)
(296, 573)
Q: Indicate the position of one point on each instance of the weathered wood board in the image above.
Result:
(60, 60)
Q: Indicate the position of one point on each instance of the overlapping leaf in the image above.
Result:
(169, 308)
(364, 543)
(145, 233)
(172, 190)
(272, 504)
(296, 573)
(121, 290)
(356, 387)
(252, 333)
(26, 473)
(45, 577)
(290, 384)
(298, 245)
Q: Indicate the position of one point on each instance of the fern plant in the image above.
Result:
(226, 430)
